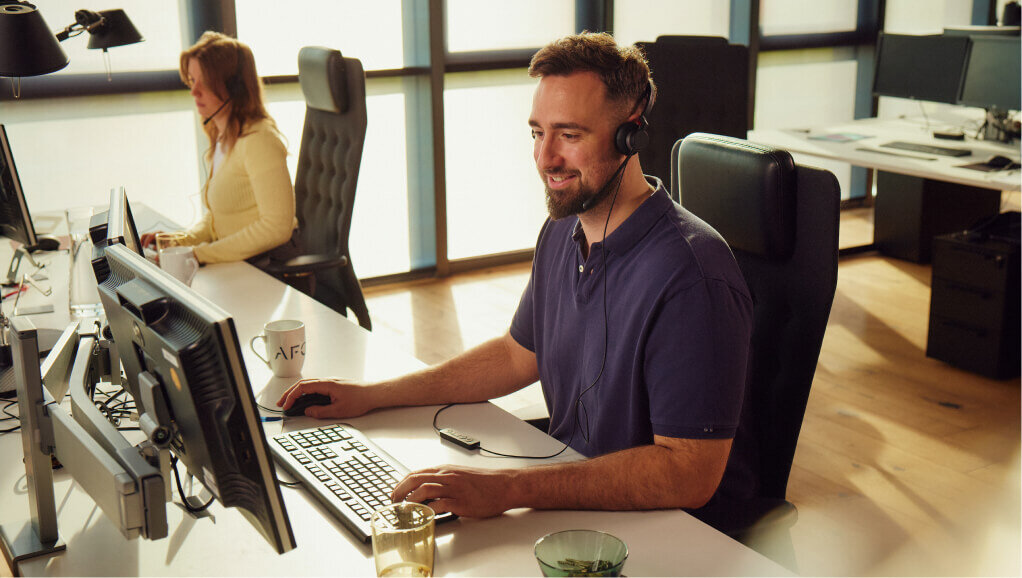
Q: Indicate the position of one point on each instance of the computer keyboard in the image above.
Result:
(928, 149)
(349, 474)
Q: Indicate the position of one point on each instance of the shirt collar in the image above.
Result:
(638, 223)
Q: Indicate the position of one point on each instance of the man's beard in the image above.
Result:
(562, 204)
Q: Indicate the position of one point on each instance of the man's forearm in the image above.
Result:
(641, 478)
(491, 369)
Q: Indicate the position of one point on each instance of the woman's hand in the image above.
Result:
(149, 239)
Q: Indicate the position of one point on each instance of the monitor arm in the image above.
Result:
(127, 482)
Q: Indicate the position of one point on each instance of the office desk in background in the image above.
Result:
(919, 195)
(668, 542)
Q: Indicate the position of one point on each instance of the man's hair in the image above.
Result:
(623, 69)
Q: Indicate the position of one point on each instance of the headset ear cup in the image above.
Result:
(631, 137)
(623, 138)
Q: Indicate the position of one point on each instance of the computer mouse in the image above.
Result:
(999, 162)
(298, 407)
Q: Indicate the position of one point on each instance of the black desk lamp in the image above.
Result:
(27, 47)
(106, 28)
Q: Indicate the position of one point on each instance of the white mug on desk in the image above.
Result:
(285, 347)
(180, 262)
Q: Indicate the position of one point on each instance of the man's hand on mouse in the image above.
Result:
(467, 492)
(347, 398)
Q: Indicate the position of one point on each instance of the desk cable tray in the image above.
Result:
(349, 474)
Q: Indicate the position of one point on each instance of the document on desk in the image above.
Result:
(894, 154)
(839, 136)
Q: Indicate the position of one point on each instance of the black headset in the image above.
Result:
(633, 136)
(234, 84)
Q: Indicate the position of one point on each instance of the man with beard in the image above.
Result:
(636, 319)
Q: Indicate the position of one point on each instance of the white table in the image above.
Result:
(879, 131)
(919, 195)
(666, 542)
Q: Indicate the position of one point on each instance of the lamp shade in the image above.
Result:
(115, 30)
(27, 47)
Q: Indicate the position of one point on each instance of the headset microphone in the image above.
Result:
(599, 196)
(216, 112)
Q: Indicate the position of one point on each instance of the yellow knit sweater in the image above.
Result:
(249, 201)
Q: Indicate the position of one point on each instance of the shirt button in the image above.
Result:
(581, 268)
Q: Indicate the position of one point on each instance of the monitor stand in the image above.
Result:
(47, 338)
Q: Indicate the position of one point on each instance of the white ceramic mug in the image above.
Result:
(179, 262)
(285, 347)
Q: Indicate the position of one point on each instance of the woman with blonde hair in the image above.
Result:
(248, 197)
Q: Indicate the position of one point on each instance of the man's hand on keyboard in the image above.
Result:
(467, 492)
(347, 398)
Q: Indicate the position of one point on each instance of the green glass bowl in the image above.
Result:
(580, 553)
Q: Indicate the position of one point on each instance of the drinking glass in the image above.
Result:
(403, 540)
(83, 295)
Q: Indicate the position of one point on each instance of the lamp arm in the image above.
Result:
(85, 21)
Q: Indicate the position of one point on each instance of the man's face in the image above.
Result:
(573, 128)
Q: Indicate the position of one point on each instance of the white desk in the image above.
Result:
(880, 131)
(919, 195)
(661, 542)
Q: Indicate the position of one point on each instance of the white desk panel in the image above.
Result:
(223, 543)
(880, 131)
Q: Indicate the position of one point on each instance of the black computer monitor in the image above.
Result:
(167, 334)
(15, 220)
(920, 67)
(991, 78)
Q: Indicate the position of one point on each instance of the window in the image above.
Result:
(926, 16)
(369, 31)
(644, 20)
(808, 88)
(73, 158)
(495, 198)
(783, 17)
(499, 24)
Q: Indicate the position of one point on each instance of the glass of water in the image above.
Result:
(83, 296)
(403, 540)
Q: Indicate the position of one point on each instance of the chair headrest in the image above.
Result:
(321, 75)
(744, 190)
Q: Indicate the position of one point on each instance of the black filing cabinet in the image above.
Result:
(974, 305)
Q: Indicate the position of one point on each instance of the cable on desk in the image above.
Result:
(264, 408)
(482, 449)
(9, 417)
(181, 491)
(289, 484)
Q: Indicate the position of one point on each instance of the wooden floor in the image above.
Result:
(905, 465)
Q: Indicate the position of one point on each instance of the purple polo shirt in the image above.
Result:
(680, 320)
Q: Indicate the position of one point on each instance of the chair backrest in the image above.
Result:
(781, 222)
(702, 86)
(331, 148)
(328, 166)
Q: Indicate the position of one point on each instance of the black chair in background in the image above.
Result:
(781, 222)
(327, 175)
(702, 86)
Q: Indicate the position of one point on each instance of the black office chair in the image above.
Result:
(781, 222)
(327, 175)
